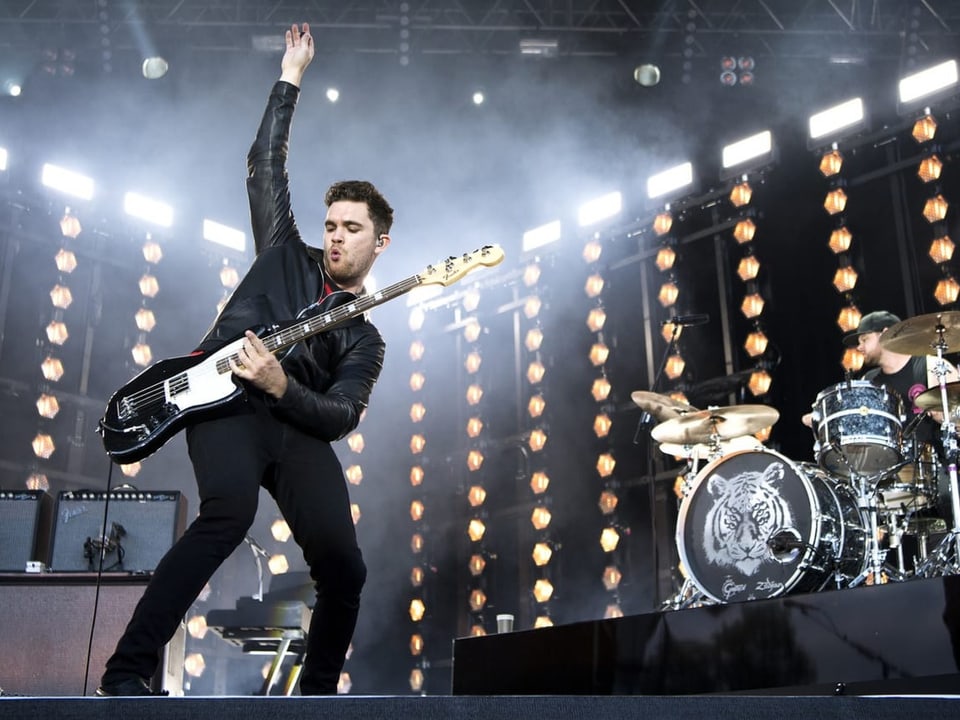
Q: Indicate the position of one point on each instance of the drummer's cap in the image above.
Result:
(871, 322)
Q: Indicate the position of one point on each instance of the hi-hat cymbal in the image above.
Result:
(931, 399)
(723, 422)
(662, 407)
(707, 451)
(920, 335)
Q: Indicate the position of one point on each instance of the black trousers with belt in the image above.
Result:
(232, 457)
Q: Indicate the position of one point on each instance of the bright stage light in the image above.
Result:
(928, 82)
(67, 181)
(757, 147)
(3, 158)
(670, 180)
(224, 235)
(845, 116)
(148, 209)
(539, 236)
(600, 208)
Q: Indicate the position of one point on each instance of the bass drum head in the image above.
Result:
(737, 504)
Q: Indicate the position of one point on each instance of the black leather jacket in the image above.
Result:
(331, 375)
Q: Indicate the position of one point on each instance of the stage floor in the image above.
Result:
(483, 708)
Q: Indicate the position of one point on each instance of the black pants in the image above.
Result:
(232, 458)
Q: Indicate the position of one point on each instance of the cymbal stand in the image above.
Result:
(875, 555)
(945, 558)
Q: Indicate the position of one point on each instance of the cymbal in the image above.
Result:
(706, 451)
(723, 422)
(662, 407)
(919, 335)
(931, 400)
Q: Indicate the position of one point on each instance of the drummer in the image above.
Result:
(907, 375)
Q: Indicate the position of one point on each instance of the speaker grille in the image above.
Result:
(138, 530)
(25, 517)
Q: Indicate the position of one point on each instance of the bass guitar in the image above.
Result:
(171, 394)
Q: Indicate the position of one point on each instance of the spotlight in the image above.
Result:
(333, 94)
(154, 68)
(647, 74)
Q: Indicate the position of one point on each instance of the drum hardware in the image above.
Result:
(875, 571)
(895, 531)
(688, 596)
(913, 337)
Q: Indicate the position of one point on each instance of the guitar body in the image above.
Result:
(171, 394)
(146, 412)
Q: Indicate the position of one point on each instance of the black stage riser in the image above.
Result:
(900, 637)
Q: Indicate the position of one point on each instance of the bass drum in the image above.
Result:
(757, 525)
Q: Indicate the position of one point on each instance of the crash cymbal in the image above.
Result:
(919, 335)
(706, 451)
(722, 422)
(931, 400)
(662, 407)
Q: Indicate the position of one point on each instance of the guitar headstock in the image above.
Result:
(456, 266)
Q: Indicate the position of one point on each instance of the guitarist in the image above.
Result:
(281, 437)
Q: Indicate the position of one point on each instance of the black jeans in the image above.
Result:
(232, 457)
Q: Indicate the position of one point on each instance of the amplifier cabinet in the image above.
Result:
(132, 531)
(25, 522)
(46, 626)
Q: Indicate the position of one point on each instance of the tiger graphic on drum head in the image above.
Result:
(747, 510)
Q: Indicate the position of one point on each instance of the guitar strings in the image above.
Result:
(155, 395)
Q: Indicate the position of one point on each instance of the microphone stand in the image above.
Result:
(651, 470)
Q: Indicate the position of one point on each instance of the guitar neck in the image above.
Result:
(315, 324)
(443, 273)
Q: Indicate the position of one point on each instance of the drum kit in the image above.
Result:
(754, 524)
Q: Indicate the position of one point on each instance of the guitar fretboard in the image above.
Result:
(310, 326)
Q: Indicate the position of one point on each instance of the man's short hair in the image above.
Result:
(362, 191)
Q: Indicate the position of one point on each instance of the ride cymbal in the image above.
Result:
(722, 422)
(920, 335)
(662, 407)
(931, 400)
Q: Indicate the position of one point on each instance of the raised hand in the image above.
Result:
(298, 54)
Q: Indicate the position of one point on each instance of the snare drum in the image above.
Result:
(741, 504)
(858, 427)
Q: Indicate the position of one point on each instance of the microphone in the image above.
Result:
(785, 541)
(687, 320)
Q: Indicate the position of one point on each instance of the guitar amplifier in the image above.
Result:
(25, 520)
(138, 529)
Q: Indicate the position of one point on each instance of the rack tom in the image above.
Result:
(859, 429)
